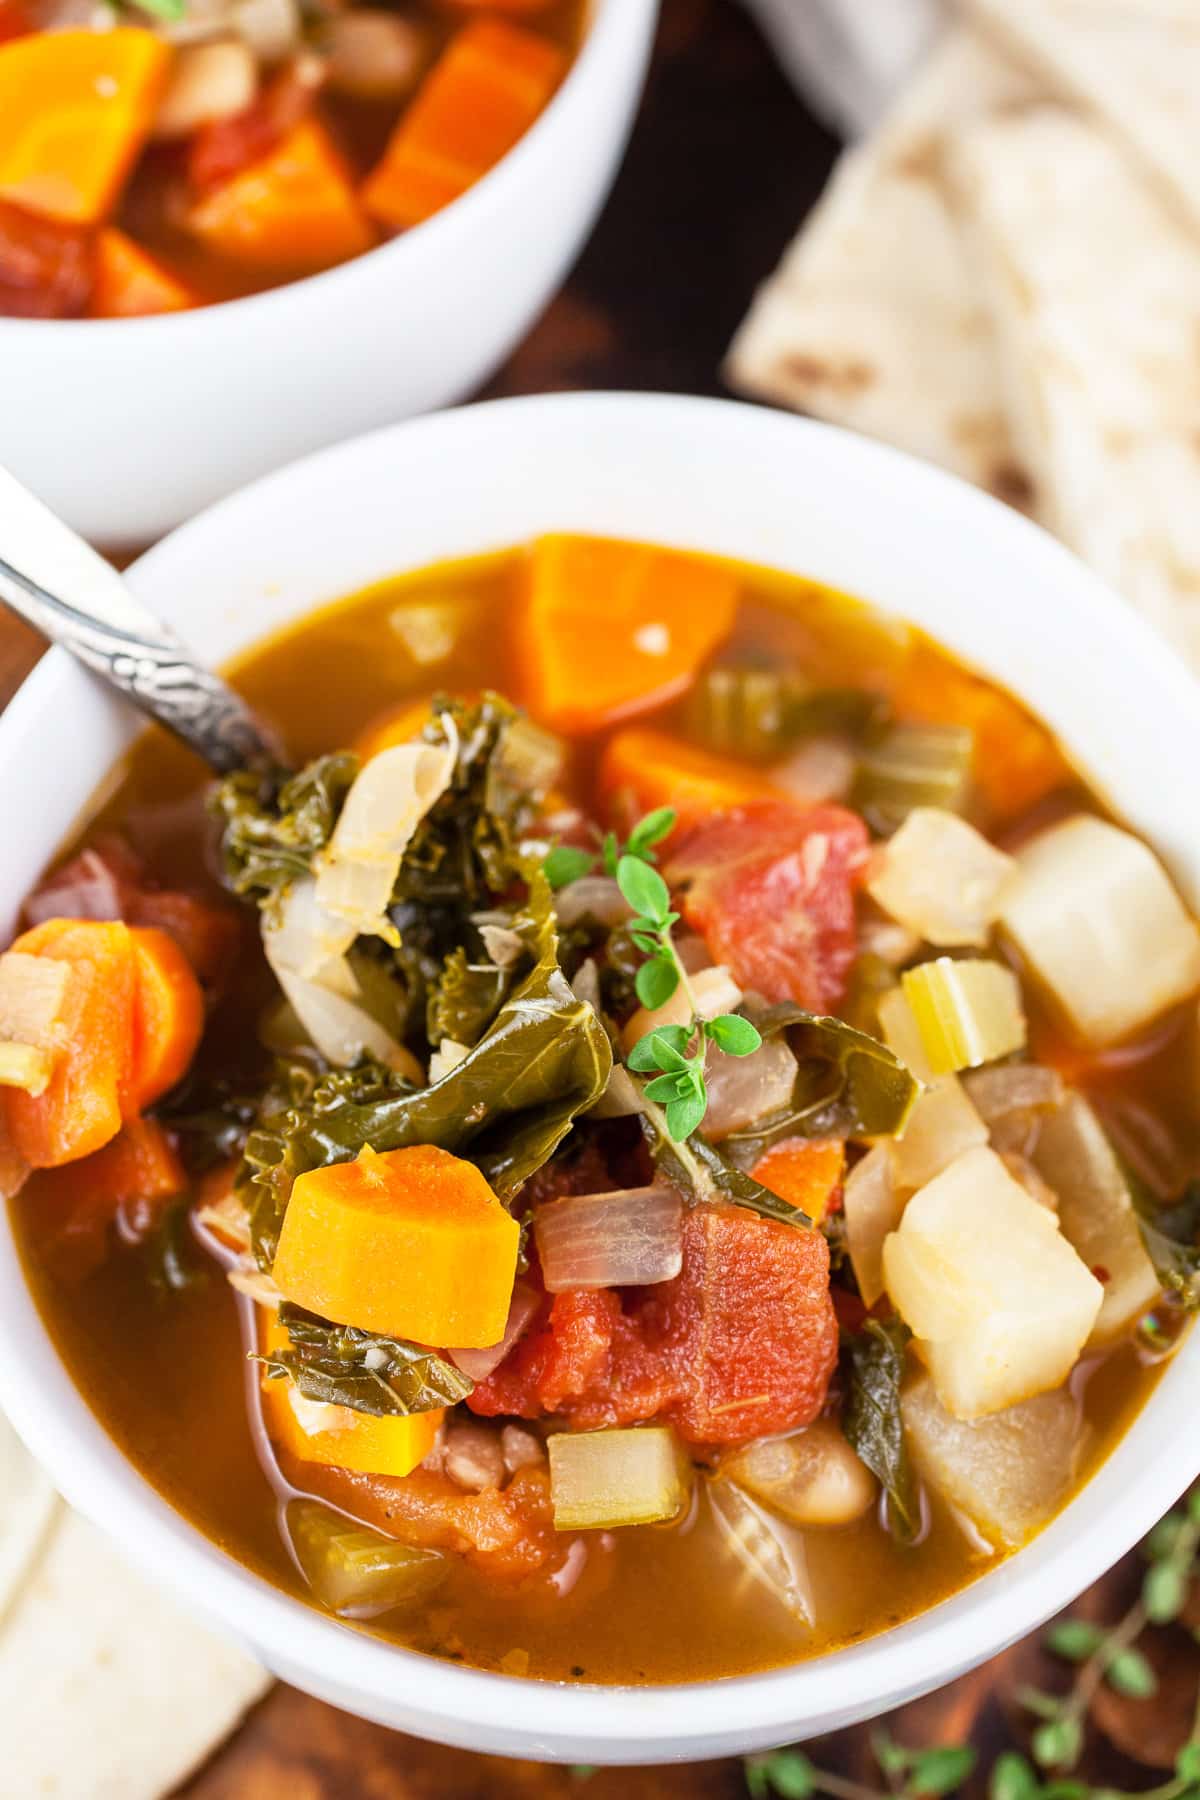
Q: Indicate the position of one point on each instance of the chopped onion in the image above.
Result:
(892, 943)
(33, 990)
(208, 82)
(342, 1030)
(714, 991)
(247, 1278)
(355, 1571)
(743, 1089)
(271, 28)
(227, 1220)
(874, 1205)
(941, 878)
(769, 1555)
(428, 629)
(1022, 1170)
(1095, 1211)
(600, 1480)
(1094, 914)
(389, 797)
(967, 1012)
(592, 897)
(447, 1056)
(1012, 1101)
(630, 1238)
(810, 1478)
(820, 770)
(911, 766)
(504, 946)
(86, 888)
(477, 1365)
(622, 1097)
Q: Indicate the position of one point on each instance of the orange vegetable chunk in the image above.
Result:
(611, 628)
(295, 209)
(168, 1015)
(89, 1091)
(480, 98)
(77, 1204)
(642, 769)
(337, 1436)
(75, 109)
(806, 1172)
(412, 1242)
(129, 283)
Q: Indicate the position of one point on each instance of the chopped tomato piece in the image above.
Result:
(742, 1342)
(15, 20)
(129, 283)
(223, 148)
(45, 267)
(806, 1172)
(129, 1178)
(771, 889)
(642, 769)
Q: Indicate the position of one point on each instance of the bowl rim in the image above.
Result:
(606, 28)
(569, 1720)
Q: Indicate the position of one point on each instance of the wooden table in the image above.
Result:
(724, 162)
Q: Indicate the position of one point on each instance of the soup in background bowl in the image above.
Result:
(648, 1101)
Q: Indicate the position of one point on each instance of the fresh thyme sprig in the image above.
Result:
(566, 863)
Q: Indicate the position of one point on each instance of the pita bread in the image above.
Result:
(1099, 349)
(1135, 63)
(110, 1692)
(871, 320)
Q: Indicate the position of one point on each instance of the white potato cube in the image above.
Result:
(943, 1124)
(941, 878)
(873, 1205)
(1094, 913)
(1095, 1211)
(999, 1303)
(1008, 1473)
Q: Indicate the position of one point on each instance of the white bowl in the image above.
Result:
(705, 475)
(127, 426)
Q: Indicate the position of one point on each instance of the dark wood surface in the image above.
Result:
(723, 164)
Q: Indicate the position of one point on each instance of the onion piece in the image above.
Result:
(820, 770)
(477, 1365)
(810, 1477)
(446, 1057)
(592, 897)
(629, 1238)
(1017, 1088)
(85, 888)
(504, 946)
(744, 1089)
(603, 1479)
(769, 1555)
(941, 878)
(355, 1571)
(622, 1097)
(342, 1030)
(873, 1204)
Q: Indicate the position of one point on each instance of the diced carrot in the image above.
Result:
(400, 724)
(224, 147)
(88, 1095)
(75, 109)
(612, 628)
(806, 1172)
(293, 210)
(168, 1016)
(515, 8)
(337, 1436)
(480, 98)
(209, 936)
(413, 1242)
(1017, 763)
(643, 769)
(129, 283)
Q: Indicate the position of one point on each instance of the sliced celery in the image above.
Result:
(967, 1012)
(755, 714)
(352, 1569)
(602, 1479)
(907, 766)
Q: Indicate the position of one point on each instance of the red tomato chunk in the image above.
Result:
(45, 267)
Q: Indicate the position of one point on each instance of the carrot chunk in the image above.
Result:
(413, 1242)
(1016, 764)
(481, 97)
(612, 628)
(336, 1436)
(168, 1015)
(77, 1205)
(129, 283)
(643, 769)
(293, 210)
(75, 109)
(88, 1094)
(806, 1172)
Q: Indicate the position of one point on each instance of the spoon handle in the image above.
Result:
(115, 635)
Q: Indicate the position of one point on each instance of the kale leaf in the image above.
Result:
(874, 1366)
(1171, 1235)
(273, 824)
(364, 1370)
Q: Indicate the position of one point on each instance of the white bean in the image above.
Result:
(810, 1478)
(208, 82)
(373, 55)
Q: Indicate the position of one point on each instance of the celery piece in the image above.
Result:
(967, 1012)
(354, 1570)
(907, 766)
(601, 1479)
(755, 714)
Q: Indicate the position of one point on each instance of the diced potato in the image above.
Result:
(1008, 1473)
(941, 878)
(1096, 1213)
(999, 1303)
(768, 1554)
(943, 1124)
(602, 1479)
(1094, 914)
(810, 1477)
(873, 1205)
(968, 1011)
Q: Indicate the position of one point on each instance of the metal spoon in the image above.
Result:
(60, 586)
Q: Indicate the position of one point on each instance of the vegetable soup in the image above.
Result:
(662, 1143)
(170, 153)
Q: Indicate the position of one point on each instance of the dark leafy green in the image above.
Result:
(1171, 1235)
(465, 999)
(364, 1370)
(904, 766)
(756, 713)
(874, 1367)
(698, 1169)
(273, 824)
(172, 1260)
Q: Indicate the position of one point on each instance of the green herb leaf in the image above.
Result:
(651, 830)
(1164, 1592)
(1130, 1673)
(872, 1420)
(366, 1371)
(170, 10)
(1074, 1639)
(787, 1773)
(701, 1171)
(663, 1048)
(644, 889)
(734, 1035)
(564, 864)
(665, 1088)
(1057, 1743)
(1187, 1763)
(1012, 1778)
(656, 981)
(941, 1770)
(684, 1115)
